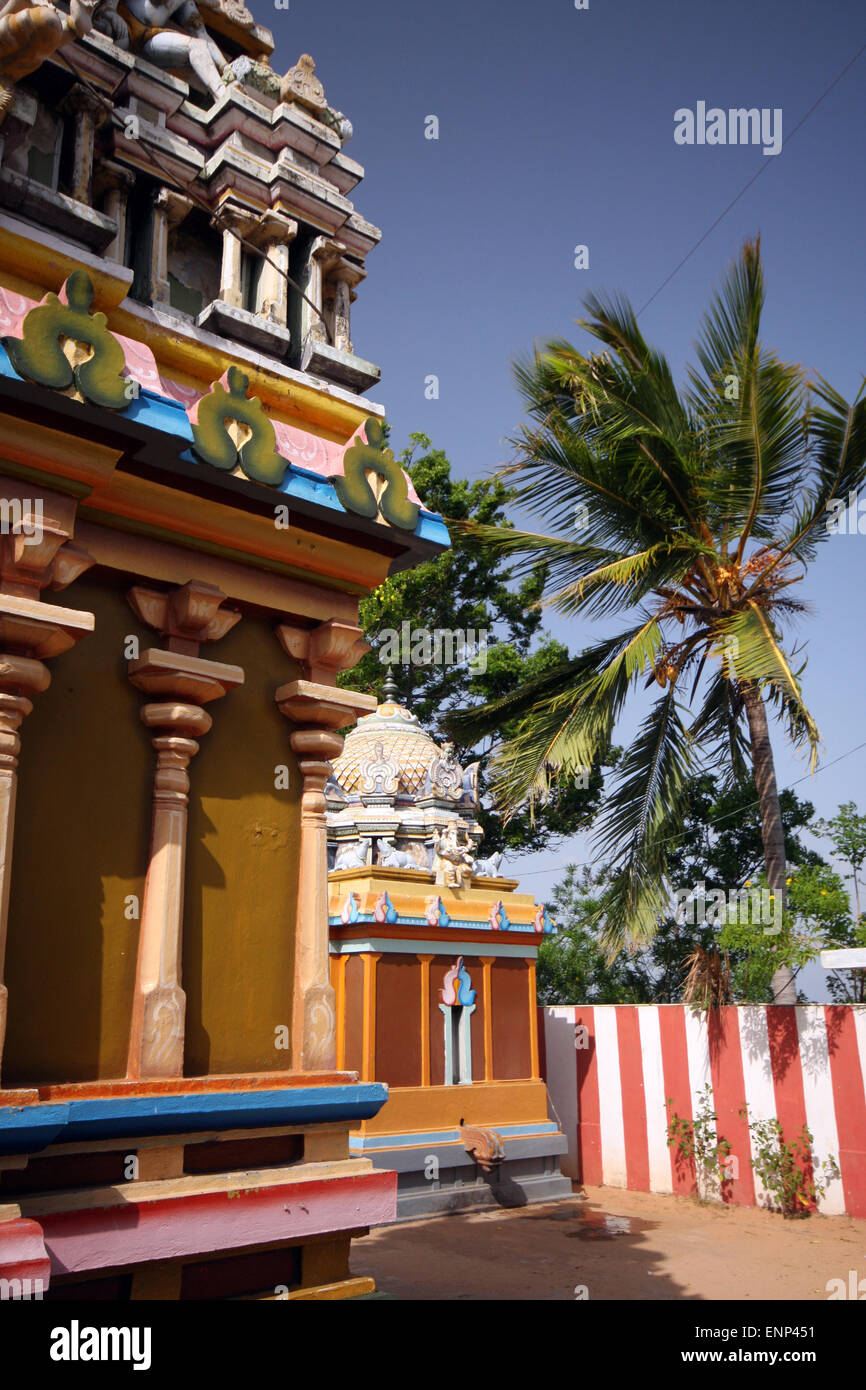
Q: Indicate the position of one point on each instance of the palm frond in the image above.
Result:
(757, 657)
(645, 808)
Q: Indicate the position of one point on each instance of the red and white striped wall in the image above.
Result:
(609, 1069)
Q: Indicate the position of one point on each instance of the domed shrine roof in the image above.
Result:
(386, 751)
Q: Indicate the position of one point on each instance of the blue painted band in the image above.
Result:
(454, 923)
(29, 1128)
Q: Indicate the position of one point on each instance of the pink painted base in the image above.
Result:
(177, 1227)
(22, 1253)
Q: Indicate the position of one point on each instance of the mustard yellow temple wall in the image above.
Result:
(81, 843)
(239, 919)
(81, 835)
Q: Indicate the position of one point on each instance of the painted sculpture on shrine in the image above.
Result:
(355, 491)
(29, 33)
(170, 35)
(453, 863)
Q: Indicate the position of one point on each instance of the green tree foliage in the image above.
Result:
(684, 518)
(573, 967)
(470, 589)
(846, 832)
(720, 847)
(817, 915)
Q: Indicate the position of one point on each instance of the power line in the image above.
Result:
(746, 186)
(531, 873)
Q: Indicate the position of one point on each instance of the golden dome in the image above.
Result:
(391, 735)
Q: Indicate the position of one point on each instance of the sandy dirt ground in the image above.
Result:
(616, 1245)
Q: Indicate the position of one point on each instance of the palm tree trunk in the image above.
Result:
(772, 829)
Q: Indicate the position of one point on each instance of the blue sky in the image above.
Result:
(556, 129)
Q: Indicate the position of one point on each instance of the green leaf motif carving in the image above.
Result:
(355, 492)
(257, 456)
(38, 355)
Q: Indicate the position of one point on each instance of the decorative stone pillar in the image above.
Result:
(184, 682)
(487, 990)
(342, 315)
(344, 277)
(34, 554)
(324, 254)
(231, 271)
(234, 221)
(317, 711)
(113, 182)
(84, 107)
(274, 236)
(41, 630)
(169, 210)
(535, 1071)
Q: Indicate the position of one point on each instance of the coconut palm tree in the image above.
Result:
(695, 513)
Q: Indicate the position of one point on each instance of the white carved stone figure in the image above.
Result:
(446, 774)
(392, 858)
(353, 856)
(453, 861)
(170, 34)
(489, 868)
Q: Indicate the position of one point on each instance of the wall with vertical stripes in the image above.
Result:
(610, 1068)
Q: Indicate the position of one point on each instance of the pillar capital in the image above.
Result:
(347, 273)
(172, 204)
(269, 229)
(186, 616)
(327, 251)
(108, 175)
(323, 650)
(173, 676)
(310, 704)
(36, 549)
(80, 98)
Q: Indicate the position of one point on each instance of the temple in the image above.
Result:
(433, 965)
(193, 498)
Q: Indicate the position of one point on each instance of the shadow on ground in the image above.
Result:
(610, 1244)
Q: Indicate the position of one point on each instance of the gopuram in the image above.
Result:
(433, 965)
(193, 499)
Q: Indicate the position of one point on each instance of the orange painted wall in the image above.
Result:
(354, 1012)
(398, 1021)
(511, 1051)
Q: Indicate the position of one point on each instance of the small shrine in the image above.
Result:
(433, 957)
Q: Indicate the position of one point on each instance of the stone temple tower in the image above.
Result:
(194, 496)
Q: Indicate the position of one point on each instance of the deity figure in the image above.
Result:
(171, 34)
(452, 861)
(31, 30)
